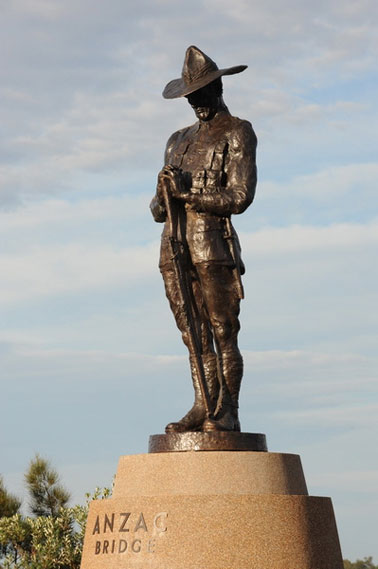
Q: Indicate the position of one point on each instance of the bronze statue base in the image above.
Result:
(210, 441)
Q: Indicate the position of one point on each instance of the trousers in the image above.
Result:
(216, 306)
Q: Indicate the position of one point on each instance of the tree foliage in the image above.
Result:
(9, 504)
(44, 542)
(53, 537)
(47, 495)
(365, 563)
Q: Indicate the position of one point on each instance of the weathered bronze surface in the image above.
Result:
(215, 441)
(209, 174)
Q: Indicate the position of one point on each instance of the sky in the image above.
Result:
(91, 363)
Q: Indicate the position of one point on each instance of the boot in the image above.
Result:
(227, 417)
(195, 417)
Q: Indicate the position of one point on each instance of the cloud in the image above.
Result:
(71, 268)
(330, 184)
(102, 134)
(86, 253)
(311, 286)
(352, 416)
(85, 325)
(342, 365)
(305, 285)
(38, 8)
(301, 239)
(330, 384)
(57, 213)
(95, 106)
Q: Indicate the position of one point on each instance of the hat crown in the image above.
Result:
(197, 72)
(196, 65)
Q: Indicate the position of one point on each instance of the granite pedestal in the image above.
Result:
(211, 510)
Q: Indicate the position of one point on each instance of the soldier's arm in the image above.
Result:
(241, 176)
(157, 206)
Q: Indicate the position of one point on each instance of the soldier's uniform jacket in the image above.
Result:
(217, 159)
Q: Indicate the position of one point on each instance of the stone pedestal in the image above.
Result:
(211, 510)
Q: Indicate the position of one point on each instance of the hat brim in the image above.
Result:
(178, 87)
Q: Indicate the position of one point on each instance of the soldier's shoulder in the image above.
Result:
(242, 126)
(180, 135)
(242, 131)
(177, 137)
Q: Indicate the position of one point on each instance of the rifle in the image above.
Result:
(230, 236)
(184, 298)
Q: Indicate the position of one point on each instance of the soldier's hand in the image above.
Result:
(162, 182)
(172, 176)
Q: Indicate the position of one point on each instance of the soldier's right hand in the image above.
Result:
(161, 183)
(171, 177)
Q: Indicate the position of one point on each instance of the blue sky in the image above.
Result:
(91, 362)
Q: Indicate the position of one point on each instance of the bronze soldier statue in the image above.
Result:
(209, 174)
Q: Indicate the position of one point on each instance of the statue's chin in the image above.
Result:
(204, 113)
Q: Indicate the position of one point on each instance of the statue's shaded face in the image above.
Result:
(204, 102)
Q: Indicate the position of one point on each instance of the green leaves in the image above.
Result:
(47, 496)
(365, 563)
(53, 537)
(9, 504)
(44, 542)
